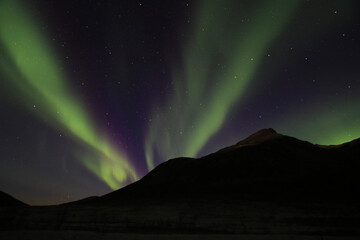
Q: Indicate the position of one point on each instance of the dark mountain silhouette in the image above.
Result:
(268, 184)
(6, 200)
(266, 165)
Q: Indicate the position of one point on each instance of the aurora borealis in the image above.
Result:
(94, 94)
(197, 110)
(37, 76)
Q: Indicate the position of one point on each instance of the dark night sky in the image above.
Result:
(95, 93)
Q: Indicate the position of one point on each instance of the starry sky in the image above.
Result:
(94, 94)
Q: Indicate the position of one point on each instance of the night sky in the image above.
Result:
(94, 94)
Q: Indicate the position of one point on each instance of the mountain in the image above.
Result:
(6, 201)
(266, 165)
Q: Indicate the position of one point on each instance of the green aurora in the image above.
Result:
(222, 55)
(213, 88)
(32, 69)
(336, 124)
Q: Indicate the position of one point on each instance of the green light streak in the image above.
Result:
(205, 91)
(33, 69)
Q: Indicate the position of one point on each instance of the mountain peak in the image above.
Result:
(264, 132)
(255, 138)
(258, 137)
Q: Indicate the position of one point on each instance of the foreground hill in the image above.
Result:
(267, 185)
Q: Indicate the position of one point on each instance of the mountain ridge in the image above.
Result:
(265, 163)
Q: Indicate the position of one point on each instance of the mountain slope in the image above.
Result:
(266, 165)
